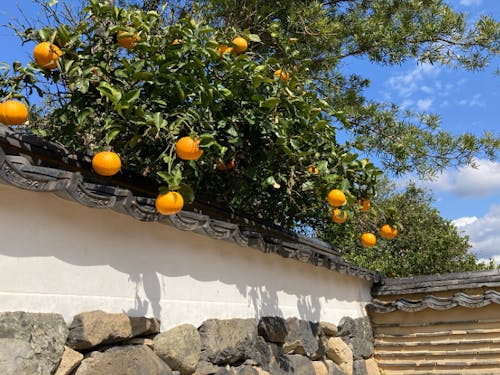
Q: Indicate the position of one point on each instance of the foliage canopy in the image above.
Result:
(277, 133)
(426, 244)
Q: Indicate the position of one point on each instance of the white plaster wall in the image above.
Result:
(59, 256)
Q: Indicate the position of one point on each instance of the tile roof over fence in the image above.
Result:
(31, 163)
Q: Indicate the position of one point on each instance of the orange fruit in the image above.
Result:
(284, 76)
(46, 55)
(312, 169)
(169, 203)
(368, 239)
(176, 42)
(364, 204)
(187, 148)
(106, 163)
(227, 167)
(336, 198)
(127, 40)
(339, 216)
(240, 44)
(388, 232)
(231, 165)
(13, 112)
(221, 49)
(2, 116)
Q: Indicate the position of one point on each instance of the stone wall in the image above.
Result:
(102, 343)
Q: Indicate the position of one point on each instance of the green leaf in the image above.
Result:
(131, 96)
(112, 134)
(82, 115)
(159, 121)
(113, 94)
(270, 103)
(307, 186)
(187, 192)
(254, 38)
(295, 143)
(345, 185)
(165, 176)
(143, 76)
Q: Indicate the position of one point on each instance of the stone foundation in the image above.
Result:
(102, 343)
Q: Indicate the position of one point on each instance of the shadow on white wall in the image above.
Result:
(62, 248)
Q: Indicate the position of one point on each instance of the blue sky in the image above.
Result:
(466, 101)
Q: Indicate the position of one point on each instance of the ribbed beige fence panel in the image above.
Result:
(444, 332)
(434, 342)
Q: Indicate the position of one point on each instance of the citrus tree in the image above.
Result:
(425, 243)
(191, 106)
(325, 36)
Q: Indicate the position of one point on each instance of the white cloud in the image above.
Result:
(469, 3)
(476, 101)
(406, 104)
(407, 84)
(464, 221)
(471, 182)
(484, 233)
(426, 89)
(424, 104)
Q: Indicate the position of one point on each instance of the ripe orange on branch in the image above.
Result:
(339, 216)
(312, 169)
(284, 76)
(187, 148)
(46, 55)
(388, 232)
(13, 112)
(364, 204)
(223, 49)
(368, 239)
(169, 203)
(336, 198)
(106, 163)
(225, 167)
(127, 40)
(240, 44)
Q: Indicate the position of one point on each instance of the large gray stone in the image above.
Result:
(327, 367)
(359, 367)
(329, 329)
(303, 338)
(205, 368)
(90, 329)
(272, 328)
(334, 369)
(31, 343)
(232, 341)
(124, 360)
(245, 370)
(358, 334)
(180, 348)
(291, 364)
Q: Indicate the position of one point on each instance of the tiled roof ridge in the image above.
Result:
(436, 303)
(19, 171)
(427, 284)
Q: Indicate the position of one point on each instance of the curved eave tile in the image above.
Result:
(436, 303)
(17, 171)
